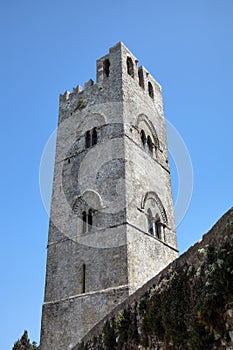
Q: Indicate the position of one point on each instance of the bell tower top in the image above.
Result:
(112, 73)
(120, 62)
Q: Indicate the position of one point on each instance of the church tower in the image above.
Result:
(112, 222)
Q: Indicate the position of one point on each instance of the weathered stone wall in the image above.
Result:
(189, 305)
(65, 261)
(65, 320)
(142, 251)
(146, 172)
(99, 247)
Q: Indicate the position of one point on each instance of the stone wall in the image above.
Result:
(106, 180)
(189, 305)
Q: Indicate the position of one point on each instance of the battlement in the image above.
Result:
(108, 70)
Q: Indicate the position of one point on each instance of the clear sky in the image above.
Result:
(49, 46)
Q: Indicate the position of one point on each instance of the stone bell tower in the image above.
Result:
(112, 222)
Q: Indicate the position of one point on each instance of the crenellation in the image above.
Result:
(65, 96)
(88, 84)
(77, 89)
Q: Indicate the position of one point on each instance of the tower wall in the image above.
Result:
(147, 176)
(105, 181)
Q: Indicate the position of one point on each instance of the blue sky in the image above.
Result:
(49, 46)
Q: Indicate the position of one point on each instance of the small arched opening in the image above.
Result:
(150, 144)
(130, 69)
(84, 219)
(141, 78)
(157, 229)
(150, 222)
(143, 138)
(88, 139)
(94, 137)
(150, 90)
(90, 219)
(106, 67)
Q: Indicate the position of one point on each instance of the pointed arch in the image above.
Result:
(146, 120)
(152, 195)
(88, 199)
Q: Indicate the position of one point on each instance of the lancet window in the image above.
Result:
(87, 218)
(91, 138)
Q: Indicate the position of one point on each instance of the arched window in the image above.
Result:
(94, 137)
(150, 90)
(147, 142)
(87, 139)
(130, 69)
(90, 214)
(106, 66)
(158, 229)
(153, 224)
(156, 222)
(141, 78)
(150, 144)
(91, 138)
(143, 138)
(150, 221)
(87, 218)
(84, 218)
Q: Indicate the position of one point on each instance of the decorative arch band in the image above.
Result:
(88, 198)
(146, 120)
(152, 195)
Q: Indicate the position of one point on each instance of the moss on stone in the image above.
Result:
(185, 311)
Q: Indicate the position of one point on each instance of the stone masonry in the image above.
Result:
(111, 223)
(220, 325)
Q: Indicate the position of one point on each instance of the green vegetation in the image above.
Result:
(82, 103)
(185, 311)
(25, 344)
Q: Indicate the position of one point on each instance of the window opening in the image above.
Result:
(154, 225)
(130, 69)
(158, 229)
(84, 279)
(84, 218)
(150, 144)
(88, 139)
(140, 77)
(90, 219)
(150, 222)
(106, 67)
(94, 137)
(150, 90)
(143, 138)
